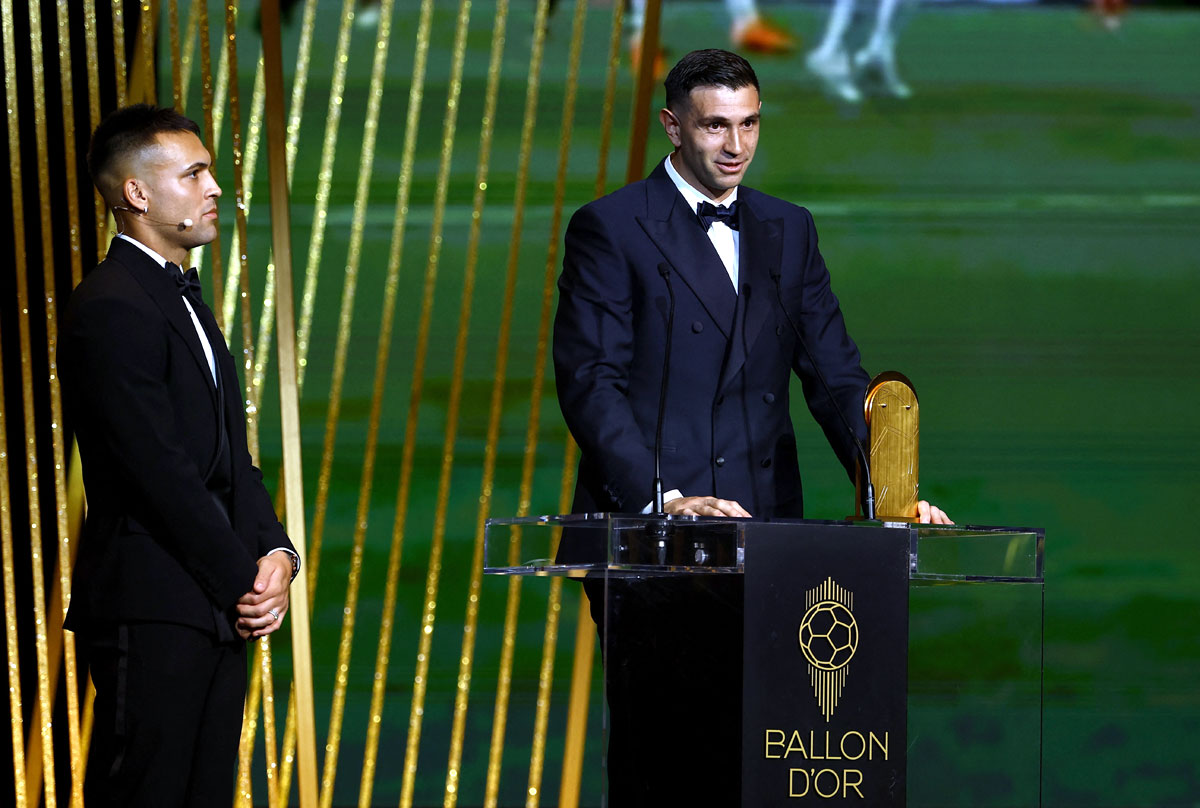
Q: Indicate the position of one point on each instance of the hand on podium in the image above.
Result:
(705, 506)
(931, 514)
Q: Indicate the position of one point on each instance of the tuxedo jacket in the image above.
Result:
(727, 430)
(177, 514)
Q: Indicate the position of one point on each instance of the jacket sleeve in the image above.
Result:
(593, 356)
(816, 311)
(119, 363)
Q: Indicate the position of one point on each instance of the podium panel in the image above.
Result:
(787, 662)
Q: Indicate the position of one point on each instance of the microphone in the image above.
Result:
(869, 504)
(664, 269)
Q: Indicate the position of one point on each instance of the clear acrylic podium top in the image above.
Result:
(639, 545)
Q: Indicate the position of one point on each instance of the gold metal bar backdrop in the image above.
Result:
(162, 37)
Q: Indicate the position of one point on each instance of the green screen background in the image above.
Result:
(1020, 239)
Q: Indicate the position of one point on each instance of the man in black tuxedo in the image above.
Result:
(734, 257)
(182, 558)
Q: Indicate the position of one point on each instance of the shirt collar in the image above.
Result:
(162, 262)
(690, 194)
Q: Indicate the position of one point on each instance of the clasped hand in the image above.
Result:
(261, 610)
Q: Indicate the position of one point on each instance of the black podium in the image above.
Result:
(806, 661)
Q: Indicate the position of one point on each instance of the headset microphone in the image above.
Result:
(186, 224)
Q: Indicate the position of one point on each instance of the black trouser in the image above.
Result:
(673, 667)
(168, 716)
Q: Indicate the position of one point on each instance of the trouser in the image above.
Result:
(168, 716)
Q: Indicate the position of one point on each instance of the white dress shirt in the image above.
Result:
(725, 239)
(204, 343)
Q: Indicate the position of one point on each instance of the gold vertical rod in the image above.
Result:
(504, 682)
(61, 591)
(100, 211)
(244, 795)
(176, 56)
(482, 164)
(233, 281)
(644, 91)
(268, 708)
(239, 191)
(299, 87)
(391, 285)
(333, 116)
(44, 727)
(12, 646)
(118, 31)
(553, 606)
(279, 167)
(353, 259)
(68, 110)
(187, 57)
(437, 544)
(146, 41)
(210, 129)
(577, 710)
(585, 636)
(537, 756)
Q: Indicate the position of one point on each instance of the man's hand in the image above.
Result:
(931, 514)
(704, 506)
(261, 610)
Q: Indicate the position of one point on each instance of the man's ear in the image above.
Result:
(671, 125)
(133, 193)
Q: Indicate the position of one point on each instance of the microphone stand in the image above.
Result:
(657, 530)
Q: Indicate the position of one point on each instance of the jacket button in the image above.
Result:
(766, 463)
(720, 461)
(697, 326)
(769, 398)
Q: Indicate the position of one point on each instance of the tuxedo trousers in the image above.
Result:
(672, 651)
(168, 716)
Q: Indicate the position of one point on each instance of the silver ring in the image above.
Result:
(274, 614)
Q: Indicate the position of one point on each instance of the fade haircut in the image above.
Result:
(127, 131)
(707, 68)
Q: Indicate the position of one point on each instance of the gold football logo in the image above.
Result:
(828, 639)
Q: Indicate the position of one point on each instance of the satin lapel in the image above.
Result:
(676, 232)
(761, 241)
(163, 291)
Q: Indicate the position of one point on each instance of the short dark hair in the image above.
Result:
(129, 129)
(708, 68)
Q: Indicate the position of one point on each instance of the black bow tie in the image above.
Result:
(188, 283)
(709, 213)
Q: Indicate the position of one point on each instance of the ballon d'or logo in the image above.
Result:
(828, 639)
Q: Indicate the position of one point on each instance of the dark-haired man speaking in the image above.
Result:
(734, 257)
(182, 558)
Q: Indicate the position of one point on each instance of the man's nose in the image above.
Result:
(733, 141)
(215, 190)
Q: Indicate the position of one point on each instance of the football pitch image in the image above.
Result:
(1020, 238)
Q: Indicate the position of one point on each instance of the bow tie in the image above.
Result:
(188, 283)
(710, 213)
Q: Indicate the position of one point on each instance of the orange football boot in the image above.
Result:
(761, 36)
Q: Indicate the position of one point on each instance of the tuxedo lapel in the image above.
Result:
(760, 244)
(165, 294)
(677, 233)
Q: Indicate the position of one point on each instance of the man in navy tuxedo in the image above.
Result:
(182, 558)
(734, 258)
